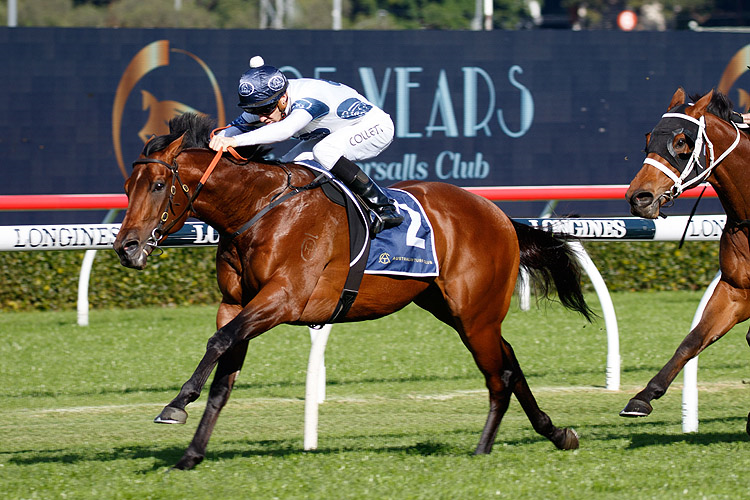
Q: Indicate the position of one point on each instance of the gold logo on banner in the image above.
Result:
(153, 56)
(737, 67)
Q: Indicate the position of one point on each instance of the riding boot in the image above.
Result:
(386, 213)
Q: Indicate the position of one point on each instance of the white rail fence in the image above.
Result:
(93, 237)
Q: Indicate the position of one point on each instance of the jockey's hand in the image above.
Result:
(221, 143)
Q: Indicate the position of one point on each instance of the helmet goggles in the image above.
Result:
(260, 110)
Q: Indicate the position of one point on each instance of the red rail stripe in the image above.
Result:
(63, 202)
(494, 193)
(544, 193)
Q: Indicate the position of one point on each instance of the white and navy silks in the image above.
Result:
(330, 119)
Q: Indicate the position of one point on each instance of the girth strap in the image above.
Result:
(351, 286)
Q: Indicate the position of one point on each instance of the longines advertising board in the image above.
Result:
(470, 108)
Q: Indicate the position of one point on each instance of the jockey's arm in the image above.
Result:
(243, 123)
(276, 132)
(267, 134)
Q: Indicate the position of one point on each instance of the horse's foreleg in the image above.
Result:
(723, 311)
(562, 438)
(226, 373)
(174, 412)
(260, 315)
(697, 340)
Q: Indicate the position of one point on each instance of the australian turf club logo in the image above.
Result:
(155, 56)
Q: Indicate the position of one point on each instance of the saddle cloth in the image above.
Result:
(405, 250)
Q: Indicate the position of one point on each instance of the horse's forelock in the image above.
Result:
(157, 143)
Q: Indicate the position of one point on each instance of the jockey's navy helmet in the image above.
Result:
(260, 86)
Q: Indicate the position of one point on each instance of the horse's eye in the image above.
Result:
(680, 142)
(159, 186)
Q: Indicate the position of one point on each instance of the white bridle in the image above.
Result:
(679, 182)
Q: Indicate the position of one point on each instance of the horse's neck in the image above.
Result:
(234, 193)
(731, 177)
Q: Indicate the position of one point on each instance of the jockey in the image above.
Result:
(336, 126)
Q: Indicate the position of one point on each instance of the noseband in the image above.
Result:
(692, 165)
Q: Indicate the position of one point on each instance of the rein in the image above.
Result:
(679, 182)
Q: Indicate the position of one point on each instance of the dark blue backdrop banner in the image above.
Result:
(470, 108)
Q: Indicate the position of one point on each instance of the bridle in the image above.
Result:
(162, 229)
(694, 163)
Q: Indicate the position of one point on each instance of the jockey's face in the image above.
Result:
(276, 113)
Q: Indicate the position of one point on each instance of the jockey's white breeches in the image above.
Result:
(360, 141)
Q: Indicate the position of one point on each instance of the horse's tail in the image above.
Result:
(549, 260)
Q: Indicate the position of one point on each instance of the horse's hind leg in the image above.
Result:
(227, 370)
(503, 375)
(491, 362)
(565, 438)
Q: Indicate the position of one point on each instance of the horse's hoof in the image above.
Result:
(187, 462)
(171, 415)
(569, 441)
(636, 408)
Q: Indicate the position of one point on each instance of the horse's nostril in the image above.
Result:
(642, 199)
(130, 246)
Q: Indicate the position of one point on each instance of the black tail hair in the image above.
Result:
(550, 261)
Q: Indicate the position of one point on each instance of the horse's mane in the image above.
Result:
(197, 129)
(720, 105)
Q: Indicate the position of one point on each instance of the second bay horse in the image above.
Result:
(289, 267)
(673, 164)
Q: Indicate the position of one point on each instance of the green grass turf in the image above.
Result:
(404, 411)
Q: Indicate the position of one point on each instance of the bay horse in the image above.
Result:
(672, 164)
(289, 267)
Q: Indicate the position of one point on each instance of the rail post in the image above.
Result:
(84, 275)
(690, 371)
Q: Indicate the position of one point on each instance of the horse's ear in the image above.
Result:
(703, 102)
(171, 151)
(678, 99)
